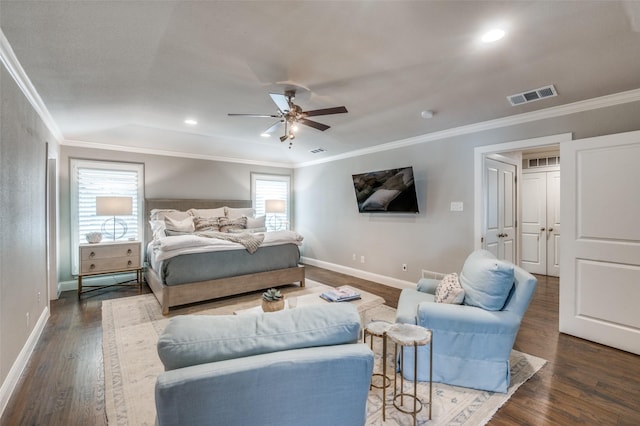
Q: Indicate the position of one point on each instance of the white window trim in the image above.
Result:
(75, 164)
(274, 177)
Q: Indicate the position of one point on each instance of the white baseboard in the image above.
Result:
(381, 279)
(10, 383)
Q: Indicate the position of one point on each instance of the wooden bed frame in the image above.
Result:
(182, 294)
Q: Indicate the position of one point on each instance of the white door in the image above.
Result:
(600, 259)
(541, 222)
(500, 209)
(534, 222)
(553, 224)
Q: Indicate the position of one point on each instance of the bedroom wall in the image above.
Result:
(435, 239)
(165, 177)
(23, 266)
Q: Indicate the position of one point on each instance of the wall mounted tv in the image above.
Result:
(386, 191)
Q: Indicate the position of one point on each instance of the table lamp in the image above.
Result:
(274, 207)
(114, 206)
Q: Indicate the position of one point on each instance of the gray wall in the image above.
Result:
(23, 138)
(165, 177)
(436, 238)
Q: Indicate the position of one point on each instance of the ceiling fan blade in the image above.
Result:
(314, 124)
(273, 128)
(281, 101)
(326, 111)
(254, 115)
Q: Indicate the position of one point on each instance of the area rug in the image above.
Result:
(131, 327)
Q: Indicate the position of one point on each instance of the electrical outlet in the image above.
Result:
(361, 259)
(457, 206)
(354, 257)
(38, 298)
(28, 321)
(404, 267)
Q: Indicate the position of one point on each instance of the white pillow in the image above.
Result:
(235, 213)
(161, 214)
(256, 222)
(184, 225)
(219, 212)
(157, 228)
(449, 290)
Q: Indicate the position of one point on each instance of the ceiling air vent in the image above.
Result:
(532, 95)
(317, 150)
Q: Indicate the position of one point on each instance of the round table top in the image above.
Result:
(409, 334)
(377, 328)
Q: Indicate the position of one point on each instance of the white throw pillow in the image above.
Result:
(449, 290)
(256, 222)
(184, 225)
(235, 213)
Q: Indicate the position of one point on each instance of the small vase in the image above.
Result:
(273, 306)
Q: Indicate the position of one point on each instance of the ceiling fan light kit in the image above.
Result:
(291, 114)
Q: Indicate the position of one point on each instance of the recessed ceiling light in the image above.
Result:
(265, 135)
(190, 122)
(493, 35)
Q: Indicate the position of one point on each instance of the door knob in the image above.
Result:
(542, 229)
(550, 229)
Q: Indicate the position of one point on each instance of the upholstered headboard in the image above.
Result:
(184, 205)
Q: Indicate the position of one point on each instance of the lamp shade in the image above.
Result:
(274, 206)
(114, 206)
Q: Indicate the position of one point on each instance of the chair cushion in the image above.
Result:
(486, 280)
(449, 290)
(197, 339)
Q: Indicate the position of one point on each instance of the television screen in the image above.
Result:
(390, 190)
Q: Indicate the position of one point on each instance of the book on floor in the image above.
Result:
(340, 294)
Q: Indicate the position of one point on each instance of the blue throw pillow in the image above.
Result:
(486, 280)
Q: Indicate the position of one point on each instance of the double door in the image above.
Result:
(541, 223)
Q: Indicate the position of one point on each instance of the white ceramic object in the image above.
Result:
(94, 237)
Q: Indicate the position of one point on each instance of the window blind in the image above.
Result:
(91, 179)
(271, 187)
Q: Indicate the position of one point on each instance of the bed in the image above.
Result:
(200, 275)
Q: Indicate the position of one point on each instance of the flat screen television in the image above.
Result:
(386, 191)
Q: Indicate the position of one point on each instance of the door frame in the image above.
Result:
(480, 153)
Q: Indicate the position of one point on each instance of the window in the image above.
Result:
(90, 179)
(272, 187)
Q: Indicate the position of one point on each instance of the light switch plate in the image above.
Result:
(457, 206)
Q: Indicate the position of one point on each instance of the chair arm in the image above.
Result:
(466, 319)
(427, 285)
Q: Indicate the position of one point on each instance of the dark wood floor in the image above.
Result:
(582, 383)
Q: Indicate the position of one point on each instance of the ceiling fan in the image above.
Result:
(291, 114)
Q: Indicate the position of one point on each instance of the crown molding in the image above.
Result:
(150, 151)
(13, 66)
(527, 117)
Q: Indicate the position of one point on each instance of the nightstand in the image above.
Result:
(109, 258)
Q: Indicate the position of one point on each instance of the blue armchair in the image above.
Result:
(471, 344)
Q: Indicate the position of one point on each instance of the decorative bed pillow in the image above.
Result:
(449, 290)
(219, 212)
(183, 225)
(235, 213)
(161, 214)
(226, 224)
(256, 222)
(248, 230)
(207, 223)
(487, 281)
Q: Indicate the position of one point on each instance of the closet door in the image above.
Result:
(534, 222)
(541, 223)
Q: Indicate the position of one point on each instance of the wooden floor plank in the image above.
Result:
(583, 382)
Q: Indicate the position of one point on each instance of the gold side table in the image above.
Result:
(379, 329)
(411, 335)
